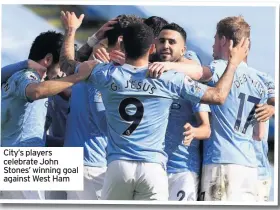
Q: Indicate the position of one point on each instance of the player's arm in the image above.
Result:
(67, 55)
(202, 132)
(218, 94)
(259, 131)
(66, 94)
(188, 67)
(85, 52)
(265, 111)
(8, 71)
(35, 91)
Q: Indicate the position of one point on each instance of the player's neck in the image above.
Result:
(138, 63)
(225, 55)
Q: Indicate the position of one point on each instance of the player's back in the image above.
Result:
(137, 110)
(232, 123)
(22, 122)
(86, 124)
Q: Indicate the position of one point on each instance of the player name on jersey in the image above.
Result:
(135, 85)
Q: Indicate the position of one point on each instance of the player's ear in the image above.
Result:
(120, 39)
(184, 50)
(48, 60)
(152, 49)
(223, 41)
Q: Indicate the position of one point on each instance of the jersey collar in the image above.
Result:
(134, 68)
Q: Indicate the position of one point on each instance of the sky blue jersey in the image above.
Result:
(22, 121)
(232, 123)
(86, 124)
(180, 157)
(261, 148)
(137, 109)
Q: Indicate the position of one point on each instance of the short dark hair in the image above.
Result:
(137, 40)
(176, 27)
(156, 23)
(47, 42)
(123, 21)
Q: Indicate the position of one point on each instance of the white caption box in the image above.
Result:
(34, 168)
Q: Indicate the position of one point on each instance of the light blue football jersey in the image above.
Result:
(232, 123)
(86, 124)
(137, 109)
(261, 148)
(193, 56)
(180, 157)
(22, 121)
(8, 71)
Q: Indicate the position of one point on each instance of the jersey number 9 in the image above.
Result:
(135, 118)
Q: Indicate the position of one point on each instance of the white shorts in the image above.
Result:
(264, 189)
(93, 182)
(228, 182)
(183, 186)
(29, 195)
(132, 180)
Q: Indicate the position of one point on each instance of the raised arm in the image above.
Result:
(85, 51)
(67, 55)
(218, 94)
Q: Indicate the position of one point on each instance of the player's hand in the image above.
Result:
(118, 57)
(102, 55)
(36, 66)
(156, 69)
(100, 34)
(238, 53)
(70, 20)
(264, 112)
(189, 134)
(41, 70)
(86, 68)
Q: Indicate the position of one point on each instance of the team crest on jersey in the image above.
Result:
(32, 77)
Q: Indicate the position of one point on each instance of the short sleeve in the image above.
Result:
(100, 74)
(201, 108)
(217, 68)
(8, 71)
(193, 56)
(269, 83)
(26, 78)
(192, 90)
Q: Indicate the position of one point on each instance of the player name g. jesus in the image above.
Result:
(135, 85)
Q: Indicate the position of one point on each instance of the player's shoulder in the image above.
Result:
(172, 76)
(29, 74)
(25, 74)
(105, 68)
(218, 64)
(259, 74)
(193, 56)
